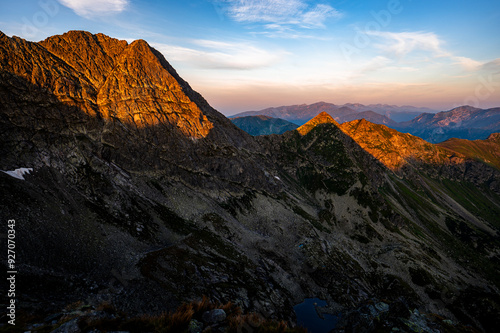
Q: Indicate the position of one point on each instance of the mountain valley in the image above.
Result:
(143, 197)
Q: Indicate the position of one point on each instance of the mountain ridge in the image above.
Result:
(112, 77)
(392, 148)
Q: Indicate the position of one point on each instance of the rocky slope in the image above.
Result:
(263, 125)
(143, 196)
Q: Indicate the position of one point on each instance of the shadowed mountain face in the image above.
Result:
(143, 196)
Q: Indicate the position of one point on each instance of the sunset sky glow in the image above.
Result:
(247, 55)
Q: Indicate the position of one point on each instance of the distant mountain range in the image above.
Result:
(300, 114)
(463, 122)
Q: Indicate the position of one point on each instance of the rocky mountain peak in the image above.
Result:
(141, 91)
(91, 55)
(456, 116)
(322, 118)
(109, 78)
(363, 123)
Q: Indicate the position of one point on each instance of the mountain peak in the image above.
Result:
(364, 122)
(322, 118)
(463, 110)
(111, 79)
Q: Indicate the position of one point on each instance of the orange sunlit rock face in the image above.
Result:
(107, 77)
(392, 148)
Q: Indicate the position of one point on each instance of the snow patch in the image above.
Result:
(19, 173)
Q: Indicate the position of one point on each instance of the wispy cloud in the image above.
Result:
(92, 8)
(377, 63)
(471, 65)
(209, 54)
(273, 14)
(468, 63)
(492, 66)
(403, 43)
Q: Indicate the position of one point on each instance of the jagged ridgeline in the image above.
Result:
(142, 196)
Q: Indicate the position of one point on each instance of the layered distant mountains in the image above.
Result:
(300, 114)
(132, 196)
(463, 122)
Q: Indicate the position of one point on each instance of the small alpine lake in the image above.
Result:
(309, 317)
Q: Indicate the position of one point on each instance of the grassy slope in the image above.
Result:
(484, 150)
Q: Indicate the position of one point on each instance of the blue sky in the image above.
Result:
(247, 55)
